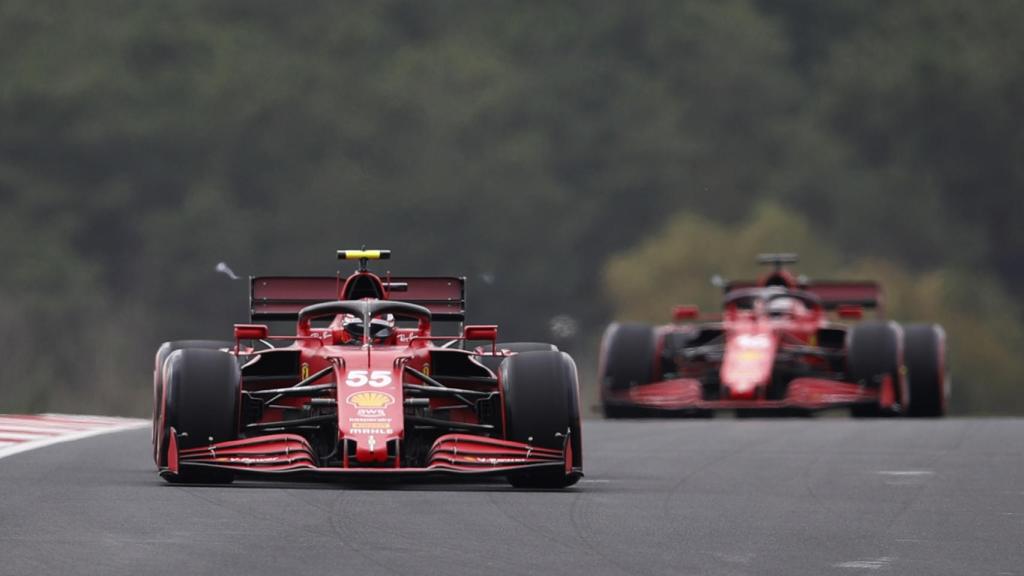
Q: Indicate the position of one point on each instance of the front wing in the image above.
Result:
(290, 455)
(811, 394)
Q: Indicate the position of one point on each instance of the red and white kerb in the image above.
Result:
(23, 432)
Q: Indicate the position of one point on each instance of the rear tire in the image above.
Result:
(627, 360)
(924, 352)
(201, 399)
(162, 353)
(873, 352)
(541, 392)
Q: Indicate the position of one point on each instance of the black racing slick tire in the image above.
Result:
(201, 398)
(627, 360)
(924, 354)
(162, 353)
(494, 362)
(874, 351)
(527, 347)
(542, 408)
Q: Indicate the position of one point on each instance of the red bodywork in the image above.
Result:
(760, 356)
(331, 404)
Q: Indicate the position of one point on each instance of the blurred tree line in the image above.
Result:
(520, 144)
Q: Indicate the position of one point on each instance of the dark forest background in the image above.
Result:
(578, 161)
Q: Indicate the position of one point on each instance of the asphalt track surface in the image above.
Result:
(821, 496)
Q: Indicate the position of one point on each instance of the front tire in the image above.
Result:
(541, 393)
(874, 352)
(494, 362)
(201, 399)
(924, 352)
(627, 360)
(162, 353)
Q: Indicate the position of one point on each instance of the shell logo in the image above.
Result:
(370, 399)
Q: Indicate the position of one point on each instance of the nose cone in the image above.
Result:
(370, 424)
(747, 365)
(370, 406)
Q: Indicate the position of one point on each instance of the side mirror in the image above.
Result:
(251, 332)
(480, 332)
(850, 312)
(684, 313)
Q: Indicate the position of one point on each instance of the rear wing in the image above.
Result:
(833, 294)
(282, 297)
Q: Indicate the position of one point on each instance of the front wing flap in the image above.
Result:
(291, 454)
(803, 393)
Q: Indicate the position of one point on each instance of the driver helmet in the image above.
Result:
(381, 329)
(783, 306)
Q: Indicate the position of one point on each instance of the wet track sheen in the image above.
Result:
(824, 496)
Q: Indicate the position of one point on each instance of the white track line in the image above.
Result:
(36, 431)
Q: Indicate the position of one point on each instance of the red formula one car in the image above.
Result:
(775, 349)
(364, 388)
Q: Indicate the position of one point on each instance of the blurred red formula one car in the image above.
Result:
(364, 388)
(777, 350)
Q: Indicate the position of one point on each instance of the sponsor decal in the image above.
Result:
(370, 399)
(760, 341)
(426, 369)
(496, 461)
(368, 425)
(371, 412)
(355, 427)
(750, 355)
(377, 420)
(304, 371)
(258, 460)
(381, 431)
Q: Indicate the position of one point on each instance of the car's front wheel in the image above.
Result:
(494, 362)
(162, 353)
(541, 394)
(627, 360)
(924, 352)
(200, 402)
(873, 355)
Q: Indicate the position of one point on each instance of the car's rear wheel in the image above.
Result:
(541, 394)
(494, 362)
(200, 403)
(627, 360)
(162, 353)
(874, 353)
(924, 353)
